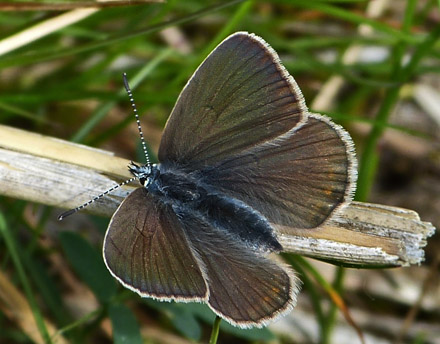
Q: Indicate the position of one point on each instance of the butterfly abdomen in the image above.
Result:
(231, 215)
(240, 220)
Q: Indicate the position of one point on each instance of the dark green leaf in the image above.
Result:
(89, 265)
(203, 312)
(125, 326)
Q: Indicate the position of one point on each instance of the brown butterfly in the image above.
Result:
(240, 155)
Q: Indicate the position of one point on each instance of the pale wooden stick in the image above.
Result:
(59, 173)
(364, 234)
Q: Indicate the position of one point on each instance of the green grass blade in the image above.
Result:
(314, 295)
(52, 54)
(354, 18)
(227, 29)
(215, 330)
(102, 110)
(369, 158)
(13, 249)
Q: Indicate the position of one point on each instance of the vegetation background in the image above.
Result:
(371, 65)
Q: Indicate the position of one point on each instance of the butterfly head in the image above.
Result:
(144, 173)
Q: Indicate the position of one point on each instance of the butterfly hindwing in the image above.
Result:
(245, 288)
(146, 249)
(296, 180)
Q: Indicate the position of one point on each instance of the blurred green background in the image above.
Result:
(370, 65)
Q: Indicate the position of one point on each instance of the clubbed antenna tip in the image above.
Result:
(127, 87)
(66, 213)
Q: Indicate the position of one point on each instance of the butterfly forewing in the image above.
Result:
(146, 249)
(240, 96)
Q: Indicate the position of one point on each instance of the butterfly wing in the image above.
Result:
(242, 121)
(239, 97)
(296, 180)
(245, 288)
(146, 249)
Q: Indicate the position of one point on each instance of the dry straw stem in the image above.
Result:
(15, 306)
(60, 173)
(79, 11)
(43, 29)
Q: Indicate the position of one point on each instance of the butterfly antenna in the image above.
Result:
(130, 96)
(73, 211)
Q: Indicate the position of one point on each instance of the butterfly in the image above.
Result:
(240, 156)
